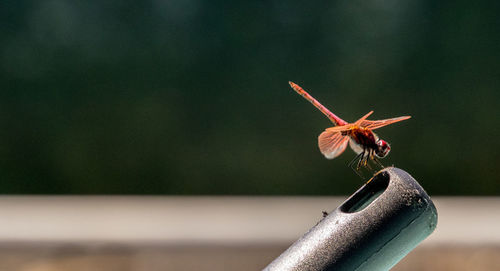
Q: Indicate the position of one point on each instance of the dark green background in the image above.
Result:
(191, 97)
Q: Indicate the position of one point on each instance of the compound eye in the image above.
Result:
(383, 148)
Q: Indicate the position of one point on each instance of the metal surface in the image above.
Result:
(372, 230)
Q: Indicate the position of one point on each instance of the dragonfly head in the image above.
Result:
(383, 148)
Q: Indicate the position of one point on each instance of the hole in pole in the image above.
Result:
(367, 194)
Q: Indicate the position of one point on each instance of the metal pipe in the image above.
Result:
(372, 230)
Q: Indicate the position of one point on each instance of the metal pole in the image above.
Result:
(372, 230)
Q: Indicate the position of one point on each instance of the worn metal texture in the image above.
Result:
(372, 230)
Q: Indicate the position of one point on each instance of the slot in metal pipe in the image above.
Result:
(372, 230)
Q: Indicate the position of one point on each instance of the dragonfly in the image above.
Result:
(359, 135)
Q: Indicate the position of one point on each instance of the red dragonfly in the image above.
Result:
(333, 141)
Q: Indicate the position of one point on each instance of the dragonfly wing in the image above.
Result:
(375, 124)
(342, 128)
(363, 118)
(332, 143)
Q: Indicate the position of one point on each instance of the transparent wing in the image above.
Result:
(332, 143)
(375, 124)
(363, 118)
(339, 128)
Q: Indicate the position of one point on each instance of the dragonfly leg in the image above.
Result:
(361, 160)
(351, 164)
(359, 175)
(377, 161)
(369, 156)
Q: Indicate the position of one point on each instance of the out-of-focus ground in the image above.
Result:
(213, 233)
(79, 257)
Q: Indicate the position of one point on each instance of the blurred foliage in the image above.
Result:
(191, 97)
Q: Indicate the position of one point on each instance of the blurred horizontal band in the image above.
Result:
(223, 220)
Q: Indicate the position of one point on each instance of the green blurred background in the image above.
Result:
(191, 97)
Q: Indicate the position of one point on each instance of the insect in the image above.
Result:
(360, 136)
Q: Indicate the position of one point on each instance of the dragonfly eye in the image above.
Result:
(383, 148)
